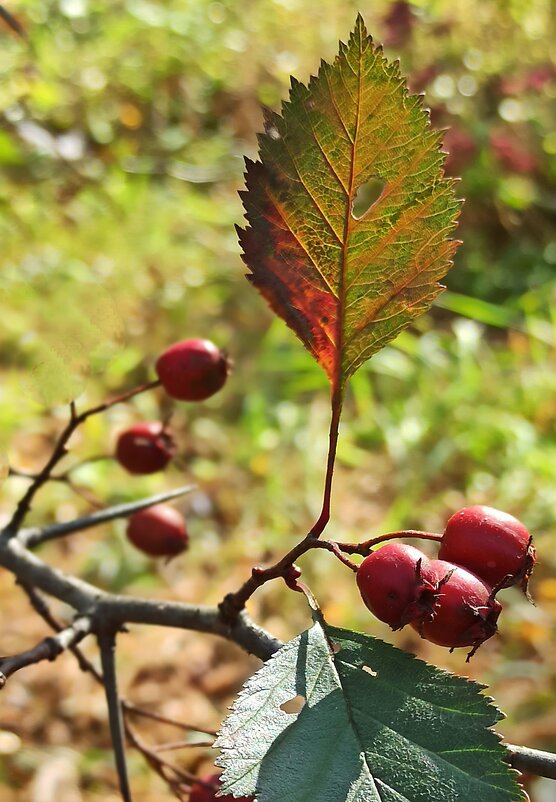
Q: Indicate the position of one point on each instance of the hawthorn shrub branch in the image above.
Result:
(63, 478)
(104, 613)
(107, 609)
(100, 609)
(40, 606)
(533, 761)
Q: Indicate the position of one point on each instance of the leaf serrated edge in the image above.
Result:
(479, 687)
(223, 758)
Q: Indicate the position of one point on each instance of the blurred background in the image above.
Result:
(123, 127)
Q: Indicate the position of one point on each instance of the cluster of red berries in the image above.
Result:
(206, 789)
(450, 601)
(190, 370)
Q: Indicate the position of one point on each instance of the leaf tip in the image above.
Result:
(360, 27)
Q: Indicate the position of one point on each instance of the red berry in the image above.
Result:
(144, 448)
(192, 370)
(159, 531)
(202, 793)
(465, 612)
(394, 584)
(490, 543)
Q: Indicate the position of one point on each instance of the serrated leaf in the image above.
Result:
(348, 285)
(378, 725)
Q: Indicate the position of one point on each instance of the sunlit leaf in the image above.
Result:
(344, 277)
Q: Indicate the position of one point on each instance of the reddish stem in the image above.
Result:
(233, 603)
(365, 548)
(337, 401)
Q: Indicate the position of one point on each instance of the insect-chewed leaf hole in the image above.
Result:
(335, 647)
(294, 706)
(367, 194)
(369, 670)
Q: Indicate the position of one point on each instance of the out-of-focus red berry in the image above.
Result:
(144, 447)
(206, 791)
(159, 531)
(192, 370)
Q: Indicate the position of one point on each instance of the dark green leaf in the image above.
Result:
(378, 725)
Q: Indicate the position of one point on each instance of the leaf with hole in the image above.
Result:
(348, 209)
(336, 716)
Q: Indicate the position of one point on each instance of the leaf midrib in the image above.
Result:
(340, 375)
(470, 778)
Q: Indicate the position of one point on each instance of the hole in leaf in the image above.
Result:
(370, 671)
(294, 706)
(335, 647)
(367, 194)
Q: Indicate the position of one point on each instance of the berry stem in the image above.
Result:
(366, 547)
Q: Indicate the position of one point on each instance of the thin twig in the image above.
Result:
(34, 537)
(62, 478)
(140, 711)
(13, 23)
(173, 746)
(40, 606)
(159, 764)
(107, 645)
(86, 462)
(59, 452)
(47, 649)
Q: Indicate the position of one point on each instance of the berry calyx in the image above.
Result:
(145, 447)
(159, 531)
(205, 791)
(465, 611)
(192, 370)
(396, 586)
(490, 543)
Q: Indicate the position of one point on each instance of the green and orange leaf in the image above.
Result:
(347, 285)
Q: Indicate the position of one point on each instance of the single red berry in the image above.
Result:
(192, 370)
(395, 585)
(206, 792)
(465, 611)
(145, 448)
(490, 543)
(159, 531)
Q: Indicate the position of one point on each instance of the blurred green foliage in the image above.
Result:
(123, 127)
